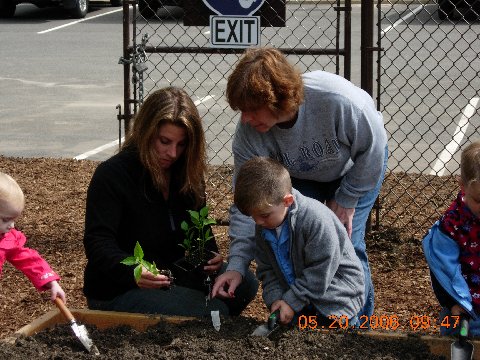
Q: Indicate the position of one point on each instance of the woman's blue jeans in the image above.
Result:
(324, 192)
(180, 300)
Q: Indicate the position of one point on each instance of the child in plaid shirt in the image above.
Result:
(452, 248)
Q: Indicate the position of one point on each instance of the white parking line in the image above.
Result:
(97, 150)
(452, 147)
(403, 19)
(115, 142)
(79, 21)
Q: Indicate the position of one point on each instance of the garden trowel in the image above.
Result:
(79, 330)
(270, 326)
(462, 349)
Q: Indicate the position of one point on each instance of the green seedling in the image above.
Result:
(137, 259)
(197, 232)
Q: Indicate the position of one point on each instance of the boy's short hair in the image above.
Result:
(470, 163)
(261, 182)
(10, 191)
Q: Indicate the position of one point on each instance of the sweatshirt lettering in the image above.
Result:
(316, 150)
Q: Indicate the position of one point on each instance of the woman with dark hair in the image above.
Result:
(143, 194)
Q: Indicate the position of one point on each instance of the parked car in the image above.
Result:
(77, 8)
(456, 9)
(148, 8)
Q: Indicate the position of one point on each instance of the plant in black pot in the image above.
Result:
(197, 234)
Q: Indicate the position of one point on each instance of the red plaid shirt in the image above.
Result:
(464, 227)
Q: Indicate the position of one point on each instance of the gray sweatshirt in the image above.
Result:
(338, 133)
(328, 273)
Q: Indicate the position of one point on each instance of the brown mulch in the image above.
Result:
(53, 220)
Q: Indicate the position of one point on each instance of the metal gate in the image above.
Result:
(160, 51)
(428, 91)
(426, 83)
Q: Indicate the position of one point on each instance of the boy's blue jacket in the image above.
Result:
(442, 255)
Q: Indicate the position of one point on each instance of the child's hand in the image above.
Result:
(286, 312)
(56, 291)
(457, 310)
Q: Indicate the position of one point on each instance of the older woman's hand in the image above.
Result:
(150, 281)
(214, 264)
(344, 214)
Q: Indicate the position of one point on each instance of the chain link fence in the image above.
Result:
(427, 85)
(163, 52)
(428, 93)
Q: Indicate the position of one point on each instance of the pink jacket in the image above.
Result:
(26, 260)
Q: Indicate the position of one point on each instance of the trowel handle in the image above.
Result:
(64, 310)
(464, 328)
(273, 319)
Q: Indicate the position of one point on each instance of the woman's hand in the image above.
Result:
(226, 284)
(149, 281)
(214, 265)
(345, 215)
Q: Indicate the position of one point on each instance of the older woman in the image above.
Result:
(326, 132)
(143, 194)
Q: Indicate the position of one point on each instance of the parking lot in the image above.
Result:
(60, 83)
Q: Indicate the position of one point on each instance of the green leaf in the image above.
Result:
(187, 244)
(184, 226)
(131, 260)
(194, 215)
(208, 235)
(195, 232)
(204, 212)
(137, 272)
(138, 251)
(154, 270)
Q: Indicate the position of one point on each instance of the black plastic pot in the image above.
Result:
(194, 261)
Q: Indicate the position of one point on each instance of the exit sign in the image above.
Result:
(234, 31)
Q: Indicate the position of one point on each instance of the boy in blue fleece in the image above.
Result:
(305, 259)
(452, 246)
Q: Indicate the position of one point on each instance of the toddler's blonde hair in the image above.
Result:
(470, 163)
(10, 192)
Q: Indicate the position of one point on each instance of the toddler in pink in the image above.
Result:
(12, 241)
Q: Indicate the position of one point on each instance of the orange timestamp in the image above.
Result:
(383, 322)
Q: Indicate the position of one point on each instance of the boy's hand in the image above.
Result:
(56, 291)
(286, 312)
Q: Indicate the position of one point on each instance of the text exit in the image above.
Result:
(234, 31)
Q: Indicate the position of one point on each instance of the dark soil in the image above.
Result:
(53, 221)
(199, 340)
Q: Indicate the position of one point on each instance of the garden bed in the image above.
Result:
(123, 335)
(53, 222)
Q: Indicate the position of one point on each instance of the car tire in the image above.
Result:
(116, 2)
(148, 8)
(445, 9)
(7, 9)
(80, 9)
(473, 10)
